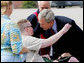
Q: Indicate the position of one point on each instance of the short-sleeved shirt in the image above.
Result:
(11, 40)
(33, 44)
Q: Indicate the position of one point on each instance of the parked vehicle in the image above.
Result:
(63, 4)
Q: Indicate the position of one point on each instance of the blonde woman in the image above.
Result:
(11, 41)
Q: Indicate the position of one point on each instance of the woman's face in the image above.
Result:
(29, 29)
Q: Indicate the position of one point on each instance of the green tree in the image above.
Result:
(29, 4)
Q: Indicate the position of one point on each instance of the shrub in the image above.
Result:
(29, 4)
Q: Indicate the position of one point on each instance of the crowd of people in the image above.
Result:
(42, 37)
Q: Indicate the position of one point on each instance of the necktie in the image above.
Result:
(46, 50)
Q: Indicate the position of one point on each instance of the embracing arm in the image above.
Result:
(37, 43)
(53, 39)
(24, 50)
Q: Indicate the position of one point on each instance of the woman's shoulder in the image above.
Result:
(29, 38)
(6, 19)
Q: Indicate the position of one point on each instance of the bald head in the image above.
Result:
(43, 5)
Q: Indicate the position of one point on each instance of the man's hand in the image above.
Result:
(55, 61)
(65, 55)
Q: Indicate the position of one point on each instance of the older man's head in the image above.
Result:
(44, 5)
(46, 19)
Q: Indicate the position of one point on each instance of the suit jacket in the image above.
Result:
(70, 42)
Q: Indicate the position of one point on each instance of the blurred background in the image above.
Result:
(71, 9)
(57, 4)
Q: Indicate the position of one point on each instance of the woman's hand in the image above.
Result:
(24, 50)
(47, 56)
(66, 28)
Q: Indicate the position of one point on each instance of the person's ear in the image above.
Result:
(52, 22)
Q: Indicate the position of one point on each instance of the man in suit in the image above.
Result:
(33, 18)
(70, 42)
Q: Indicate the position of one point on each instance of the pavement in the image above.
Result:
(75, 13)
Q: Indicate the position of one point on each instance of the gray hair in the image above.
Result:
(47, 14)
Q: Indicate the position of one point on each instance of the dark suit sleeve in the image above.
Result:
(72, 40)
(32, 18)
(77, 37)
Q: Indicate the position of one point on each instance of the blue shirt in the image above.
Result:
(11, 41)
(54, 27)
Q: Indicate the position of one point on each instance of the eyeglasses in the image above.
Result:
(27, 27)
